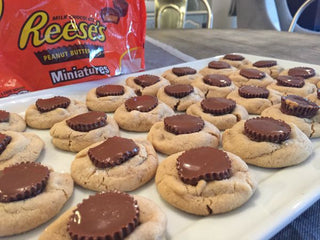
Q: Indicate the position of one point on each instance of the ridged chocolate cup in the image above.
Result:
(298, 106)
(109, 90)
(178, 90)
(218, 106)
(87, 121)
(4, 141)
(4, 116)
(49, 104)
(182, 71)
(290, 81)
(183, 124)
(251, 91)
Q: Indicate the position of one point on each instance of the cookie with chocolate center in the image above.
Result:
(182, 71)
(22, 181)
(204, 163)
(304, 72)
(265, 129)
(218, 65)
(218, 106)
(233, 57)
(146, 80)
(109, 90)
(114, 151)
(251, 91)
(265, 63)
(4, 141)
(290, 81)
(178, 90)
(4, 116)
(144, 103)
(49, 104)
(183, 124)
(251, 73)
(217, 80)
(298, 106)
(107, 215)
(87, 121)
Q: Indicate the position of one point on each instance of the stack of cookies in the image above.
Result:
(210, 125)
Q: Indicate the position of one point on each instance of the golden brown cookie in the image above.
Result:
(182, 132)
(10, 121)
(255, 99)
(139, 113)
(152, 225)
(181, 75)
(146, 84)
(260, 152)
(108, 98)
(251, 76)
(46, 112)
(23, 215)
(17, 147)
(210, 193)
(79, 132)
(180, 96)
(270, 67)
(218, 112)
(309, 74)
(117, 163)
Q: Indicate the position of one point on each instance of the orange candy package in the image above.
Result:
(52, 43)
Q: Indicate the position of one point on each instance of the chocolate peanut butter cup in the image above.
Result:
(49, 104)
(218, 106)
(114, 151)
(204, 163)
(290, 81)
(22, 181)
(318, 93)
(305, 72)
(265, 63)
(109, 90)
(252, 73)
(182, 71)
(109, 215)
(110, 15)
(265, 129)
(87, 121)
(4, 116)
(146, 80)
(144, 103)
(251, 91)
(233, 57)
(183, 124)
(298, 106)
(179, 90)
(218, 65)
(217, 80)
(4, 141)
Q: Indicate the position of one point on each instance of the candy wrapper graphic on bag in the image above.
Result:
(52, 43)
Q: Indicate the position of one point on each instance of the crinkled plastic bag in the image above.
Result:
(51, 43)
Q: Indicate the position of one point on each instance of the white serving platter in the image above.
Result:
(282, 194)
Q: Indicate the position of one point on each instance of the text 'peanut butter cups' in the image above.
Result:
(146, 80)
(87, 121)
(182, 71)
(265, 129)
(218, 65)
(144, 103)
(4, 141)
(204, 163)
(114, 151)
(251, 91)
(109, 90)
(22, 181)
(304, 72)
(183, 124)
(217, 80)
(178, 90)
(4, 116)
(298, 106)
(265, 63)
(49, 104)
(290, 81)
(252, 73)
(108, 215)
(218, 106)
(233, 57)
